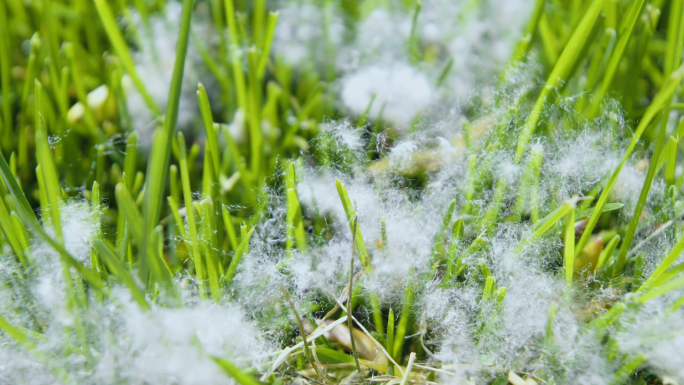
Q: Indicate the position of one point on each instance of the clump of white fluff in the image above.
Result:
(80, 225)
(400, 90)
(176, 345)
(381, 39)
(154, 62)
(371, 57)
(307, 34)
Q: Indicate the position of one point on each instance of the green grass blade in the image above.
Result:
(438, 240)
(158, 166)
(648, 295)
(210, 247)
(5, 67)
(351, 215)
(295, 234)
(523, 47)
(130, 159)
(190, 213)
(671, 161)
(270, 33)
(10, 233)
(130, 212)
(390, 338)
(230, 228)
(238, 375)
(17, 334)
(47, 166)
(665, 264)
(210, 131)
(569, 249)
(402, 327)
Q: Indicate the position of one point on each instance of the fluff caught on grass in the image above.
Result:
(400, 192)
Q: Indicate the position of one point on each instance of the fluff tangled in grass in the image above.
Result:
(468, 192)
(534, 325)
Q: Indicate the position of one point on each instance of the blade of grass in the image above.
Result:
(438, 240)
(158, 166)
(10, 233)
(209, 243)
(390, 339)
(403, 322)
(295, 234)
(230, 228)
(523, 47)
(351, 215)
(130, 158)
(16, 332)
(5, 67)
(671, 161)
(130, 212)
(190, 214)
(569, 249)
(47, 166)
(266, 49)
(210, 131)
(238, 375)
(413, 43)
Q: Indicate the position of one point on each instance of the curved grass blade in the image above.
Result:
(158, 166)
(238, 375)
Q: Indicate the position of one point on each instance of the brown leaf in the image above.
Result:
(364, 345)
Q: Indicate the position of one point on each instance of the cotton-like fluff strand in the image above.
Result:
(398, 91)
(307, 35)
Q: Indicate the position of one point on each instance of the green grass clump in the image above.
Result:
(257, 230)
